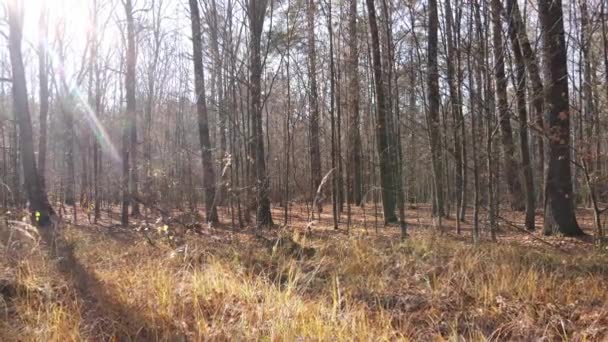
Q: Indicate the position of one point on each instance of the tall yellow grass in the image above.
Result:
(354, 288)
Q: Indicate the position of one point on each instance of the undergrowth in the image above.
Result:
(230, 286)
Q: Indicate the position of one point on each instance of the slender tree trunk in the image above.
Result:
(201, 109)
(474, 112)
(218, 87)
(256, 13)
(504, 115)
(588, 105)
(520, 92)
(130, 84)
(152, 76)
(605, 45)
(67, 108)
(393, 130)
(537, 92)
(433, 119)
(95, 103)
(460, 116)
(382, 141)
(44, 92)
(452, 76)
(15, 160)
(315, 150)
(354, 136)
(332, 81)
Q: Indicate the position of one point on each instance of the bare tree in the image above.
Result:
(537, 92)
(256, 12)
(504, 115)
(130, 83)
(433, 120)
(40, 208)
(44, 90)
(386, 164)
(559, 207)
(315, 150)
(354, 136)
(520, 93)
(201, 108)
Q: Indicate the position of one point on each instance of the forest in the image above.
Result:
(303, 170)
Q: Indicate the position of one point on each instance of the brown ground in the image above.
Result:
(193, 282)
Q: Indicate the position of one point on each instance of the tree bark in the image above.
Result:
(315, 150)
(201, 109)
(354, 137)
(588, 105)
(520, 93)
(332, 106)
(67, 107)
(504, 115)
(537, 95)
(433, 119)
(559, 207)
(40, 207)
(475, 113)
(384, 153)
(44, 92)
(130, 84)
(452, 76)
(256, 14)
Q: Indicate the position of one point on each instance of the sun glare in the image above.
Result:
(68, 21)
(69, 18)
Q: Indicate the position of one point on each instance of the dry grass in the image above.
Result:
(227, 285)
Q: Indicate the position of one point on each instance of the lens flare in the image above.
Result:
(91, 119)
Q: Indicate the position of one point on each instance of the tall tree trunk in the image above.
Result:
(559, 207)
(474, 113)
(95, 103)
(354, 137)
(588, 105)
(504, 115)
(486, 109)
(213, 20)
(201, 109)
(332, 106)
(463, 128)
(67, 108)
(256, 13)
(452, 76)
(605, 45)
(393, 129)
(537, 95)
(214, 30)
(44, 91)
(315, 150)
(40, 207)
(130, 83)
(287, 141)
(124, 216)
(433, 119)
(520, 92)
(382, 139)
(152, 76)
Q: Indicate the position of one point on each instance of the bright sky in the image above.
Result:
(74, 13)
(73, 17)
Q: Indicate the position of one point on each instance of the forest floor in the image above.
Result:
(157, 280)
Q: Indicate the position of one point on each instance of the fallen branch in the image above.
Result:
(167, 218)
(513, 225)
